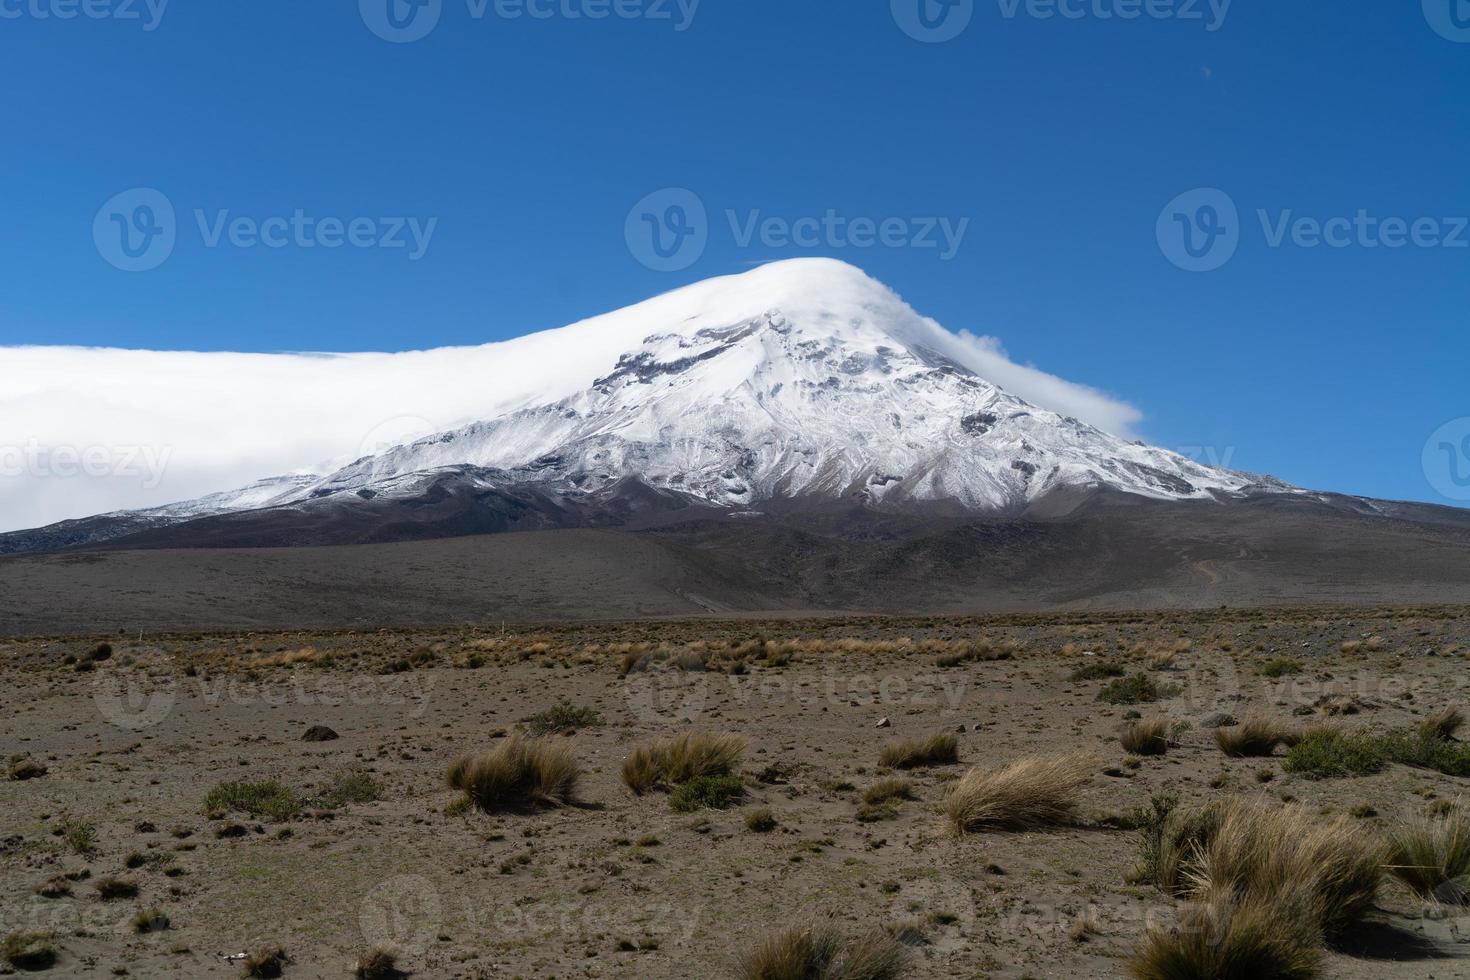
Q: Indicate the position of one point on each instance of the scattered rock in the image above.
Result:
(319, 733)
(884, 723)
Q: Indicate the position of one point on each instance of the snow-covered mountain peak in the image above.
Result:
(801, 379)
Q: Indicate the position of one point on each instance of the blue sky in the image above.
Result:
(519, 145)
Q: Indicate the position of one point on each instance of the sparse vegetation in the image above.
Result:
(266, 798)
(518, 774)
(267, 963)
(1032, 792)
(820, 952)
(670, 762)
(28, 951)
(565, 717)
(888, 789)
(1431, 856)
(707, 793)
(936, 750)
(1279, 667)
(1253, 738)
(1146, 736)
(1222, 941)
(150, 920)
(1442, 725)
(378, 964)
(79, 835)
(356, 786)
(1137, 689)
(112, 889)
(1100, 670)
(1328, 753)
(761, 821)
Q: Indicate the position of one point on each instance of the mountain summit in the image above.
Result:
(798, 383)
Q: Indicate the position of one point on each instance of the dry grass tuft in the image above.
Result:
(1148, 736)
(1431, 856)
(1252, 738)
(1442, 725)
(518, 774)
(888, 789)
(1035, 791)
(1219, 941)
(936, 750)
(266, 963)
(820, 952)
(378, 964)
(671, 761)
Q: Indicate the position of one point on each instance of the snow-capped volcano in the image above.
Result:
(802, 380)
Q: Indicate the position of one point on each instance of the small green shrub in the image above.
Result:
(28, 951)
(349, 787)
(1138, 689)
(266, 798)
(1279, 667)
(707, 793)
(565, 717)
(1328, 753)
(80, 836)
(1100, 671)
(760, 821)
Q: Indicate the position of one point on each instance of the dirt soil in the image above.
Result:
(623, 886)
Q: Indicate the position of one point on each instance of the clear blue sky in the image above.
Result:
(529, 140)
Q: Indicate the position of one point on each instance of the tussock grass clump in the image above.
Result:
(1100, 671)
(1147, 736)
(267, 963)
(28, 951)
(378, 964)
(1218, 941)
(1326, 753)
(1265, 854)
(820, 952)
(1431, 856)
(518, 774)
(112, 889)
(1271, 883)
(707, 793)
(266, 798)
(1138, 689)
(888, 789)
(936, 750)
(79, 835)
(565, 717)
(356, 786)
(150, 920)
(1252, 738)
(1279, 667)
(1035, 791)
(669, 762)
(761, 821)
(1442, 725)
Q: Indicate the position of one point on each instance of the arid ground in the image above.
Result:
(112, 754)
